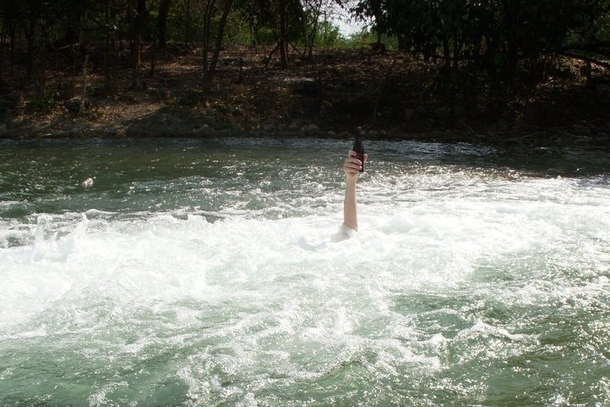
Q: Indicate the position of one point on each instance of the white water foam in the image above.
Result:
(270, 302)
(166, 258)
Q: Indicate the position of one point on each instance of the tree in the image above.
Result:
(495, 35)
(140, 14)
(284, 19)
(74, 12)
(591, 43)
(215, 14)
(109, 24)
(10, 22)
(38, 21)
(162, 23)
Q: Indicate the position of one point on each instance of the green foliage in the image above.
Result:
(491, 38)
(328, 35)
(46, 103)
(264, 22)
(490, 34)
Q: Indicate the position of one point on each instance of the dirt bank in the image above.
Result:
(329, 95)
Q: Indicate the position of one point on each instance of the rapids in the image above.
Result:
(207, 272)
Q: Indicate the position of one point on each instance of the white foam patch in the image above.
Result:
(251, 302)
(167, 258)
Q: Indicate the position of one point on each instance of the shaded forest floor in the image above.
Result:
(391, 95)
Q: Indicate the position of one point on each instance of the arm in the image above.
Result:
(351, 167)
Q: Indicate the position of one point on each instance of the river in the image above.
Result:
(208, 273)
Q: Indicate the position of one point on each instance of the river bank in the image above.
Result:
(329, 95)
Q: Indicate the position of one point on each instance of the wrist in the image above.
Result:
(351, 179)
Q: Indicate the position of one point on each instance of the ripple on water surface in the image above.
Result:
(468, 284)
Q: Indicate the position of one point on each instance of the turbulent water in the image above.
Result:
(207, 273)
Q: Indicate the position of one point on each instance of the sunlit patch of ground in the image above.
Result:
(390, 93)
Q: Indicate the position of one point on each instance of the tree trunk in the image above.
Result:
(456, 49)
(187, 23)
(13, 36)
(162, 24)
(209, 71)
(30, 31)
(446, 53)
(136, 41)
(109, 53)
(283, 41)
(73, 24)
(207, 39)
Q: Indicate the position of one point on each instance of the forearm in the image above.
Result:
(350, 215)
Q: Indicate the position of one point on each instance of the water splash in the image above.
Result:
(468, 284)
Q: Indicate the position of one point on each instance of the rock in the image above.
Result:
(311, 130)
(77, 104)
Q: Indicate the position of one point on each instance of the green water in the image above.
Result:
(205, 273)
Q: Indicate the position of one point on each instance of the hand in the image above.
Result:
(353, 165)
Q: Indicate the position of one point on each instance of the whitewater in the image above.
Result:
(209, 272)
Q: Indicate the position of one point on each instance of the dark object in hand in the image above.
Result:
(359, 148)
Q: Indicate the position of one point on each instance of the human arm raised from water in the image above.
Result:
(351, 167)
